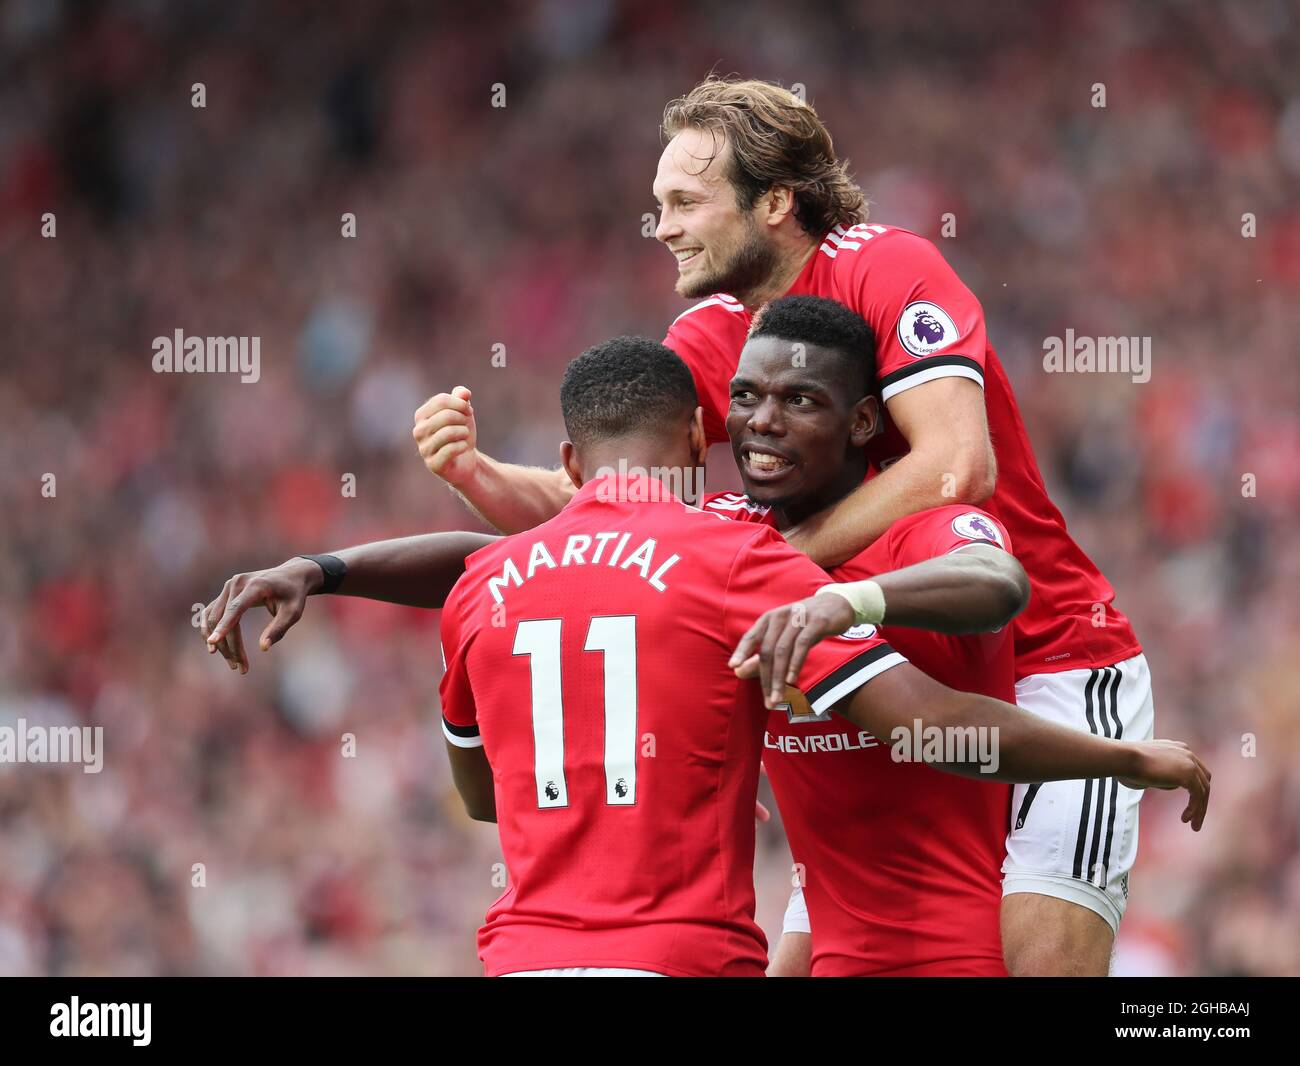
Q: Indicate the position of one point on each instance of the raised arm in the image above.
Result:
(950, 461)
(412, 571)
(507, 497)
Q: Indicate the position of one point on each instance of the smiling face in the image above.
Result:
(797, 431)
(719, 246)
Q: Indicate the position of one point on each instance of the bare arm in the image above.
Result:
(507, 497)
(472, 774)
(950, 461)
(1024, 747)
(413, 571)
(976, 589)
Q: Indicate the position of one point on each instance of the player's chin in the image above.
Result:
(774, 491)
(693, 283)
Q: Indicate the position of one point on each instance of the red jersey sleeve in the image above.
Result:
(709, 337)
(940, 530)
(459, 713)
(928, 325)
(768, 573)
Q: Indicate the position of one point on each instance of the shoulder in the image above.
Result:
(720, 322)
(716, 308)
(956, 523)
(737, 506)
(883, 250)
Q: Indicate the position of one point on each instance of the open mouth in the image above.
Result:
(764, 466)
(687, 255)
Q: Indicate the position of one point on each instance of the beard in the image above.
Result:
(748, 267)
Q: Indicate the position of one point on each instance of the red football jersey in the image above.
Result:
(929, 325)
(589, 657)
(901, 864)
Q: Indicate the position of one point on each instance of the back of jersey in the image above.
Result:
(589, 656)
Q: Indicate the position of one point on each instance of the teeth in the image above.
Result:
(766, 462)
(682, 256)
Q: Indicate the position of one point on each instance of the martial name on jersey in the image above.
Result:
(581, 549)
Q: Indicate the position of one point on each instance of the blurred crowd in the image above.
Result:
(498, 169)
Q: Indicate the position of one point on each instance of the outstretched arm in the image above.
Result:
(976, 589)
(1020, 747)
(507, 497)
(412, 571)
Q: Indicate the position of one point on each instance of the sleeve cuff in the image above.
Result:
(463, 736)
(852, 676)
(931, 369)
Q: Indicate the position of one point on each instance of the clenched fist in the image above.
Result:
(446, 435)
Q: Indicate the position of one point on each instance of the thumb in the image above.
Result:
(462, 393)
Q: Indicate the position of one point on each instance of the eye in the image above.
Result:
(802, 402)
(743, 396)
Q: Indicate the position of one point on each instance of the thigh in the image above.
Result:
(1076, 841)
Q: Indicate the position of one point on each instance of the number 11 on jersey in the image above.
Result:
(615, 636)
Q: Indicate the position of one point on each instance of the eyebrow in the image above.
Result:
(789, 386)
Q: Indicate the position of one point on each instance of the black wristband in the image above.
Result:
(334, 569)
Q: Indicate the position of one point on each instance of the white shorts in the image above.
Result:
(1076, 840)
(584, 971)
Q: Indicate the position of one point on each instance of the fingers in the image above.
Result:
(781, 655)
(748, 644)
(285, 616)
(748, 669)
(236, 641)
(761, 813)
(456, 400)
(799, 653)
(426, 428)
(432, 448)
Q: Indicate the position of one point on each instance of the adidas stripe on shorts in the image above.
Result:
(1077, 840)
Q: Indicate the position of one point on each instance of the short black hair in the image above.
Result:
(623, 387)
(828, 324)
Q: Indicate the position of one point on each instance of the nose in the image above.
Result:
(667, 229)
(766, 419)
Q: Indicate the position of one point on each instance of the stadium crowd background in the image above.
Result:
(523, 226)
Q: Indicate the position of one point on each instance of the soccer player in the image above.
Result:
(900, 873)
(590, 708)
(755, 205)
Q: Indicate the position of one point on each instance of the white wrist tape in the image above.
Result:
(865, 597)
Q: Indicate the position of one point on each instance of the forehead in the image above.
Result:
(775, 361)
(693, 159)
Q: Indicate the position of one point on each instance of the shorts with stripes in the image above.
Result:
(1077, 840)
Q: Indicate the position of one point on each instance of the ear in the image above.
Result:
(779, 201)
(569, 460)
(699, 439)
(866, 421)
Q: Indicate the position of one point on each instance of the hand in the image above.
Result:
(447, 436)
(1172, 764)
(283, 590)
(777, 644)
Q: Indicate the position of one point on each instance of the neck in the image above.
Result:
(673, 467)
(792, 512)
(789, 266)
